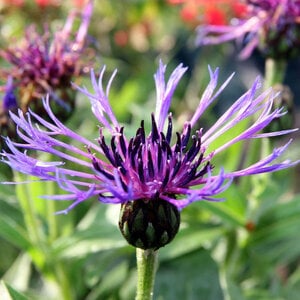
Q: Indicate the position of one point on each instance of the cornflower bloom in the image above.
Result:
(271, 25)
(46, 64)
(153, 176)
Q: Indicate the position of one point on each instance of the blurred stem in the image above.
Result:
(40, 251)
(146, 269)
(230, 255)
(63, 281)
(274, 72)
(50, 210)
(27, 205)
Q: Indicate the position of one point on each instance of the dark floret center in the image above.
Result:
(157, 166)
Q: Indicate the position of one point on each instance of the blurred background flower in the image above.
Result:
(45, 64)
(273, 26)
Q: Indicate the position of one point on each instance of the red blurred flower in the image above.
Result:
(240, 9)
(215, 16)
(213, 12)
(14, 2)
(189, 13)
(121, 38)
(79, 3)
(45, 3)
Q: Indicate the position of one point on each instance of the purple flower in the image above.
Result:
(45, 64)
(177, 168)
(271, 25)
(7, 103)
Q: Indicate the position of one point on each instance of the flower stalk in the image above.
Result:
(274, 72)
(146, 269)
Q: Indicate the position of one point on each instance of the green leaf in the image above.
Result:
(11, 218)
(278, 226)
(233, 290)
(19, 272)
(189, 240)
(11, 231)
(194, 276)
(111, 282)
(232, 210)
(8, 293)
(97, 231)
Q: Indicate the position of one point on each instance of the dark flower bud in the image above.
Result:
(149, 224)
(282, 41)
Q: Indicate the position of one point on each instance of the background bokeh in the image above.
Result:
(246, 247)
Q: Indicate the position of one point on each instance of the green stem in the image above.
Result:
(146, 269)
(27, 206)
(63, 282)
(41, 249)
(274, 72)
(50, 213)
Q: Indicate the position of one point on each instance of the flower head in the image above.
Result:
(146, 166)
(155, 168)
(45, 64)
(272, 25)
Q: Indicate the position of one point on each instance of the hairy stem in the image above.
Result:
(146, 269)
